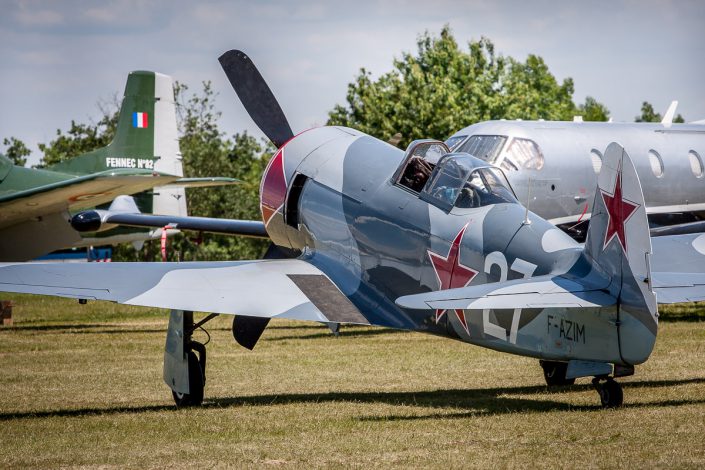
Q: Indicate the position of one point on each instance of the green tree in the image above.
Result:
(591, 110)
(442, 88)
(648, 114)
(16, 150)
(206, 152)
(528, 90)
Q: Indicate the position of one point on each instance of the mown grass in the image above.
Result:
(81, 386)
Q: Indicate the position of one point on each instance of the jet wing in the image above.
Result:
(289, 288)
(77, 193)
(206, 182)
(678, 268)
(538, 292)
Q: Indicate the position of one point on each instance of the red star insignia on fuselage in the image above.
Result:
(451, 273)
(618, 212)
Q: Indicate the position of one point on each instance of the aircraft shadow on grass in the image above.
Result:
(118, 328)
(472, 402)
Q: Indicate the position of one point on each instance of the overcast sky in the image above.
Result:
(59, 58)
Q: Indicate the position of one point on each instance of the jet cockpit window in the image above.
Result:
(524, 153)
(457, 182)
(485, 147)
(420, 159)
(454, 141)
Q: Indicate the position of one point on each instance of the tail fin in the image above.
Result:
(619, 245)
(146, 137)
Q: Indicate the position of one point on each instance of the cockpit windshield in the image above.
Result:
(461, 181)
(485, 147)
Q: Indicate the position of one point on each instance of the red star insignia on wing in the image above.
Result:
(618, 212)
(451, 273)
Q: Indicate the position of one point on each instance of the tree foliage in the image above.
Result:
(591, 110)
(442, 89)
(16, 151)
(648, 114)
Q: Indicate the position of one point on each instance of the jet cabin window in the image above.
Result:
(457, 184)
(485, 147)
(523, 153)
(454, 141)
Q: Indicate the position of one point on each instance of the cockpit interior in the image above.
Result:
(451, 180)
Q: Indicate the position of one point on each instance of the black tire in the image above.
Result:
(195, 384)
(554, 373)
(611, 394)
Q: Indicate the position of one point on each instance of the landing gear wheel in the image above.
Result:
(611, 395)
(554, 373)
(196, 384)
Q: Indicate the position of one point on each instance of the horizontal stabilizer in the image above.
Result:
(538, 292)
(291, 288)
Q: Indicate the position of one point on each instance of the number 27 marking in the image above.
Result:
(520, 266)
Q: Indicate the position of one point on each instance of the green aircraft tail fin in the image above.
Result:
(146, 135)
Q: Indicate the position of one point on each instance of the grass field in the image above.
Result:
(81, 386)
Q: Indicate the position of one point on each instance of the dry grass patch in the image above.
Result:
(82, 387)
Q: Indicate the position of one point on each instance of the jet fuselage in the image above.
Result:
(553, 165)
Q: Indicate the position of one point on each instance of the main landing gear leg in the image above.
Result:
(185, 359)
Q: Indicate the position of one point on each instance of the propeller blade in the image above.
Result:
(255, 95)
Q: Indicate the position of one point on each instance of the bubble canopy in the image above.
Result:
(460, 180)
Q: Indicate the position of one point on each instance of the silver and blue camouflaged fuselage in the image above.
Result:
(377, 241)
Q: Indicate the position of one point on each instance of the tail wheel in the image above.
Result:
(196, 384)
(554, 373)
(611, 395)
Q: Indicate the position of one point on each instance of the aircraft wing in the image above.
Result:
(289, 288)
(206, 182)
(77, 193)
(94, 220)
(678, 268)
(538, 292)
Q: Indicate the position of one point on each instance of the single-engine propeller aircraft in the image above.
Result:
(144, 154)
(553, 166)
(426, 240)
